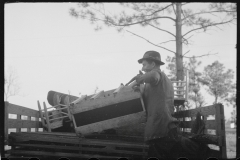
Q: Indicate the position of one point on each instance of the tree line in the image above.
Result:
(215, 78)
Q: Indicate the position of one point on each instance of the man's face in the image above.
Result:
(147, 67)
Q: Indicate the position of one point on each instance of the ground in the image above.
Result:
(231, 140)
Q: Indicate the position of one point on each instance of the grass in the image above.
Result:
(230, 143)
(231, 140)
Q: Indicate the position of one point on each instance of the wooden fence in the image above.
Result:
(20, 119)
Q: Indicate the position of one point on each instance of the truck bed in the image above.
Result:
(56, 145)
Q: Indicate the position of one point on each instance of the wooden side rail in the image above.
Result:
(19, 118)
(214, 128)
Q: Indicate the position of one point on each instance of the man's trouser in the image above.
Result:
(175, 146)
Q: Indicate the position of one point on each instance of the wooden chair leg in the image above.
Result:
(68, 104)
(47, 118)
(41, 114)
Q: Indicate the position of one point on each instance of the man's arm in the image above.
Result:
(151, 77)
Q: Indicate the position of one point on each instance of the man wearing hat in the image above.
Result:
(158, 96)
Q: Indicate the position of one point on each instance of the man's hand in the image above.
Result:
(139, 79)
(136, 88)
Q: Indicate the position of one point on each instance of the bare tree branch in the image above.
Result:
(11, 86)
(214, 24)
(200, 55)
(151, 42)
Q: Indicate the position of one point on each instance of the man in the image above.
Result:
(158, 96)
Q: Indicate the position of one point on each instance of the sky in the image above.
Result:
(51, 50)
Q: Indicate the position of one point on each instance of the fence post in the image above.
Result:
(6, 104)
(221, 129)
(28, 119)
(47, 118)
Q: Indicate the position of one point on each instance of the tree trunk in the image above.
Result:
(216, 98)
(179, 58)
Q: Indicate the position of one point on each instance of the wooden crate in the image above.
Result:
(108, 111)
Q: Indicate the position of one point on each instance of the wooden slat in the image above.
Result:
(179, 86)
(20, 110)
(209, 124)
(15, 123)
(179, 94)
(80, 148)
(205, 111)
(135, 139)
(70, 139)
(179, 90)
(210, 139)
(112, 143)
(57, 114)
(61, 134)
(59, 154)
(178, 81)
(60, 109)
(56, 124)
(21, 138)
(68, 110)
(56, 106)
(58, 118)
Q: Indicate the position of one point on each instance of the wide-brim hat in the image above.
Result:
(152, 55)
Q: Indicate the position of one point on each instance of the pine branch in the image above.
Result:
(161, 29)
(194, 14)
(151, 42)
(174, 9)
(199, 56)
(214, 24)
(184, 40)
(160, 10)
(186, 52)
(167, 41)
(130, 24)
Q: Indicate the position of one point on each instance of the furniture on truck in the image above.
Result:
(27, 138)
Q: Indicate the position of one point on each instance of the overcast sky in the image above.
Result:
(51, 50)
